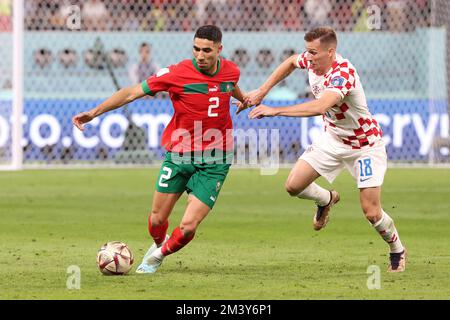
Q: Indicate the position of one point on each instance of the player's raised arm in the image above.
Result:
(118, 99)
(307, 109)
(281, 72)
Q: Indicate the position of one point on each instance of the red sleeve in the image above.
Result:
(301, 61)
(161, 81)
(238, 74)
(232, 70)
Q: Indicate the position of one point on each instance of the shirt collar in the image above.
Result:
(202, 72)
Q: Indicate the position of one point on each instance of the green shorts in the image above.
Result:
(203, 179)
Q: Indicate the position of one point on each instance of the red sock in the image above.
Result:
(176, 241)
(158, 232)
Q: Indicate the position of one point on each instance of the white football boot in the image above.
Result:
(143, 266)
(152, 263)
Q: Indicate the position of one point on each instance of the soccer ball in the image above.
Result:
(114, 258)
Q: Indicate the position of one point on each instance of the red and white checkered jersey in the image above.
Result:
(350, 120)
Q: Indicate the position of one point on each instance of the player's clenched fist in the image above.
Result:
(80, 119)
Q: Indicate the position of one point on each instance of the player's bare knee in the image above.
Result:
(373, 214)
(157, 218)
(188, 229)
(292, 189)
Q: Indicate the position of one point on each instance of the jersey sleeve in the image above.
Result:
(301, 61)
(161, 81)
(342, 80)
(238, 75)
(235, 71)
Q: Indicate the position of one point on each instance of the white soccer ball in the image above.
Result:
(114, 258)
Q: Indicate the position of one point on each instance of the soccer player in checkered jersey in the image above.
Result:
(352, 137)
(198, 139)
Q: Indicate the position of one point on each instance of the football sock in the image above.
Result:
(158, 232)
(176, 241)
(315, 192)
(386, 228)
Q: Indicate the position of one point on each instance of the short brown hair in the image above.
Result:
(325, 34)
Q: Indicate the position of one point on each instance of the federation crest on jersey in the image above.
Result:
(218, 186)
(337, 81)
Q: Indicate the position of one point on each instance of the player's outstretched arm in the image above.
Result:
(240, 96)
(307, 109)
(255, 97)
(118, 99)
(237, 94)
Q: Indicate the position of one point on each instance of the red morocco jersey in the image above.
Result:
(201, 102)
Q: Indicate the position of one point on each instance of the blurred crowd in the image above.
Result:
(230, 15)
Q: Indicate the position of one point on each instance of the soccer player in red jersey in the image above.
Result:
(198, 139)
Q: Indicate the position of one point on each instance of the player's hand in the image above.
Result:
(80, 119)
(254, 97)
(262, 111)
(240, 106)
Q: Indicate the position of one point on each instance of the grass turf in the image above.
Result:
(257, 243)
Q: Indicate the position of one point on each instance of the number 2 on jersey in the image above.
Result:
(166, 175)
(215, 104)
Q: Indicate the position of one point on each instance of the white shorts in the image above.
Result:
(329, 157)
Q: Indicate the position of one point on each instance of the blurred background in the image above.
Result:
(398, 47)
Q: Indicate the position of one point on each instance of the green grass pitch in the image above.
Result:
(257, 243)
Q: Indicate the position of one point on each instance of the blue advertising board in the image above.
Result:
(409, 127)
